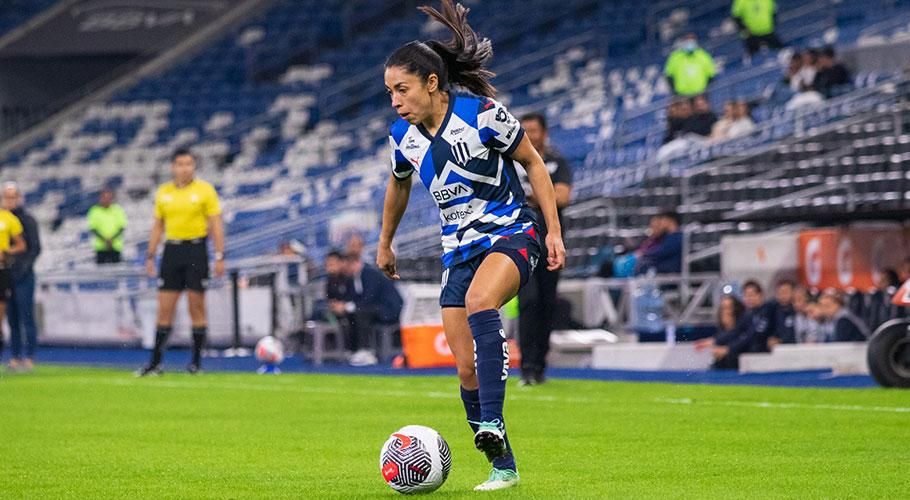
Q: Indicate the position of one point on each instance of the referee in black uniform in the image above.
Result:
(187, 211)
(537, 300)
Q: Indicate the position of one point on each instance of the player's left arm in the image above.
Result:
(17, 245)
(216, 229)
(546, 199)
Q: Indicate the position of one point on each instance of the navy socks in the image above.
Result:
(491, 355)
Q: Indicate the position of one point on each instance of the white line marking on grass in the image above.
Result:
(512, 395)
(800, 406)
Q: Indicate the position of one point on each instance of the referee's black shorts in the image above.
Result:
(184, 266)
(6, 285)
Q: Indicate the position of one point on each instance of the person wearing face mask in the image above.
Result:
(689, 68)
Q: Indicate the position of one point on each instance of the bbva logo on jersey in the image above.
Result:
(451, 192)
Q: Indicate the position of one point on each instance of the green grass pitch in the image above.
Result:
(94, 433)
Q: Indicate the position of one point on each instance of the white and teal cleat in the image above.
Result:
(489, 440)
(500, 479)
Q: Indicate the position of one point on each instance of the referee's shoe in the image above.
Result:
(149, 371)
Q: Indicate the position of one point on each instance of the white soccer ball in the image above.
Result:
(269, 351)
(415, 459)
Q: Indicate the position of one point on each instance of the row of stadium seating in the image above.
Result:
(285, 152)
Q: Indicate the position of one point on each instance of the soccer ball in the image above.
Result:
(269, 351)
(415, 459)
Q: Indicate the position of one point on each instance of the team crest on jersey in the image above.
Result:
(461, 152)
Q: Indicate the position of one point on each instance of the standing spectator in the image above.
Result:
(689, 68)
(844, 326)
(21, 313)
(11, 243)
(537, 299)
(801, 71)
(107, 222)
(830, 73)
(756, 21)
(662, 251)
(354, 247)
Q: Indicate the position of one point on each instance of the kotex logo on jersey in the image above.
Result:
(460, 212)
(452, 192)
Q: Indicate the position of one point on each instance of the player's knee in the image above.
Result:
(467, 375)
(478, 300)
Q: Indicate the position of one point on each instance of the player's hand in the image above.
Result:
(150, 267)
(385, 261)
(556, 252)
(219, 268)
(720, 351)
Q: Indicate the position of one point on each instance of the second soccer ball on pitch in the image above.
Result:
(269, 351)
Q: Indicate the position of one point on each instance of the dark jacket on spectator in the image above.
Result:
(663, 253)
(700, 123)
(24, 263)
(828, 79)
(848, 328)
(784, 323)
(379, 293)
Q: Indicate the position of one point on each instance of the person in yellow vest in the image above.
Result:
(689, 68)
(756, 20)
(107, 222)
(187, 211)
(11, 243)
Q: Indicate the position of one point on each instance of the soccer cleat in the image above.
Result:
(500, 479)
(194, 369)
(490, 441)
(525, 381)
(149, 371)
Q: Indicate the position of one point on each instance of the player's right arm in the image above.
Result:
(154, 240)
(397, 194)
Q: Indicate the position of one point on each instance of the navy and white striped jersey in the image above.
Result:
(469, 172)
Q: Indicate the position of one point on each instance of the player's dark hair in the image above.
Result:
(181, 152)
(535, 117)
(460, 61)
(335, 254)
(752, 284)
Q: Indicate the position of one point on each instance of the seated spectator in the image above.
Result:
(662, 251)
(756, 20)
(721, 126)
(702, 118)
(880, 309)
(784, 314)
(729, 315)
(843, 325)
(752, 332)
(678, 113)
(801, 71)
(830, 73)
(806, 326)
(376, 302)
(742, 121)
(689, 69)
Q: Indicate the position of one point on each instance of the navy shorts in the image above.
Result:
(522, 248)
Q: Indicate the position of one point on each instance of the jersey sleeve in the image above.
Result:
(91, 218)
(498, 129)
(159, 210)
(737, 9)
(212, 205)
(401, 169)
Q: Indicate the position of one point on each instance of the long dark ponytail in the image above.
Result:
(460, 61)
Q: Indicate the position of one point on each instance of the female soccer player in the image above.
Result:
(187, 210)
(463, 147)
